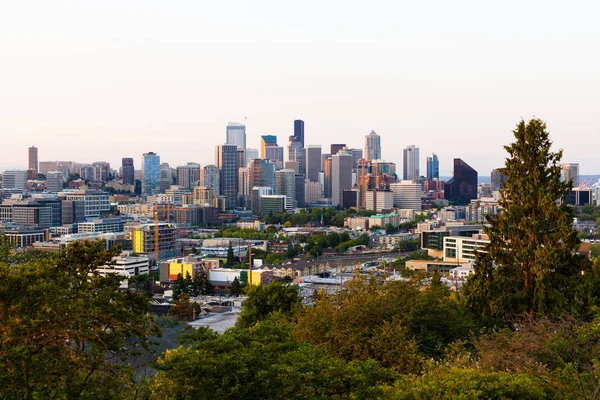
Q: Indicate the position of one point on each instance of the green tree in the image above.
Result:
(262, 301)
(530, 265)
(179, 286)
(64, 329)
(229, 262)
(184, 309)
(236, 287)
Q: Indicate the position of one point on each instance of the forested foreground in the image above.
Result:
(526, 325)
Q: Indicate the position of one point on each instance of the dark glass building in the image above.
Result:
(462, 188)
(335, 148)
(299, 131)
(127, 171)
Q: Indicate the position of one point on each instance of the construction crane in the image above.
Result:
(156, 247)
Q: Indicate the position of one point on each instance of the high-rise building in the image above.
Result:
(210, 177)
(127, 171)
(275, 154)
(251, 154)
(313, 162)
(226, 161)
(151, 174)
(411, 163)
(299, 131)
(14, 179)
(373, 146)
(496, 179)
(188, 175)
(335, 148)
(341, 176)
(267, 141)
(236, 134)
(261, 173)
(33, 162)
(433, 167)
(54, 182)
(296, 153)
(327, 177)
(323, 158)
(285, 185)
(462, 188)
(312, 192)
(257, 193)
(407, 195)
(357, 155)
(241, 158)
(167, 175)
(300, 182)
(570, 172)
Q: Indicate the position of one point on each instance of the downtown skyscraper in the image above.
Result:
(236, 134)
(372, 146)
(433, 167)
(299, 131)
(150, 174)
(226, 162)
(127, 171)
(411, 163)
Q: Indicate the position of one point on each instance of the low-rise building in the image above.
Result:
(127, 266)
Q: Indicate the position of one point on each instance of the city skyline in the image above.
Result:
(455, 84)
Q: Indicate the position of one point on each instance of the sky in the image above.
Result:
(89, 81)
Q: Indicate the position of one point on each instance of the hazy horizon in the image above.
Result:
(88, 82)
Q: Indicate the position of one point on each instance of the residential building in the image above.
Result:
(285, 184)
(151, 174)
(188, 175)
(143, 240)
(570, 172)
(341, 176)
(33, 162)
(373, 146)
(236, 134)
(210, 177)
(261, 173)
(226, 161)
(433, 167)
(127, 171)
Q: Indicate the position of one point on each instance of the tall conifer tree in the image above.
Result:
(530, 265)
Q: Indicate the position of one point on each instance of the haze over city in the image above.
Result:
(88, 82)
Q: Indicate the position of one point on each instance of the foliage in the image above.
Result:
(261, 362)
(236, 287)
(262, 301)
(184, 309)
(229, 262)
(64, 329)
(250, 234)
(168, 322)
(397, 323)
(596, 250)
(530, 264)
(330, 216)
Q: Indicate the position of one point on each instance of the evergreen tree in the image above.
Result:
(188, 284)
(179, 287)
(530, 265)
(236, 287)
(229, 256)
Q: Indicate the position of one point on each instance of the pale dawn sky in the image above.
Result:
(91, 81)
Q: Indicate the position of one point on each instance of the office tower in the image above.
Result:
(462, 188)
(299, 131)
(14, 179)
(236, 134)
(33, 162)
(274, 204)
(188, 175)
(210, 177)
(570, 172)
(357, 155)
(380, 200)
(411, 163)
(226, 161)
(296, 153)
(244, 181)
(127, 171)
(313, 191)
(267, 141)
(407, 195)
(261, 173)
(496, 179)
(327, 178)
(335, 148)
(102, 171)
(313, 162)
(323, 158)
(275, 154)
(54, 182)
(300, 181)
(257, 193)
(151, 174)
(285, 185)
(291, 165)
(433, 167)
(341, 176)
(373, 146)
(251, 154)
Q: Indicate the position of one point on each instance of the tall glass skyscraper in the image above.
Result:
(411, 163)
(313, 162)
(433, 167)
(236, 134)
(462, 188)
(299, 131)
(373, 146)
(150, 174)
(226, 161)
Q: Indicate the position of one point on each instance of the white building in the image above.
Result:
(407, 195)
(379, 201)
(127, 266)
(313, 191)
(95, 201)
(462, 249)
(14, 179)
